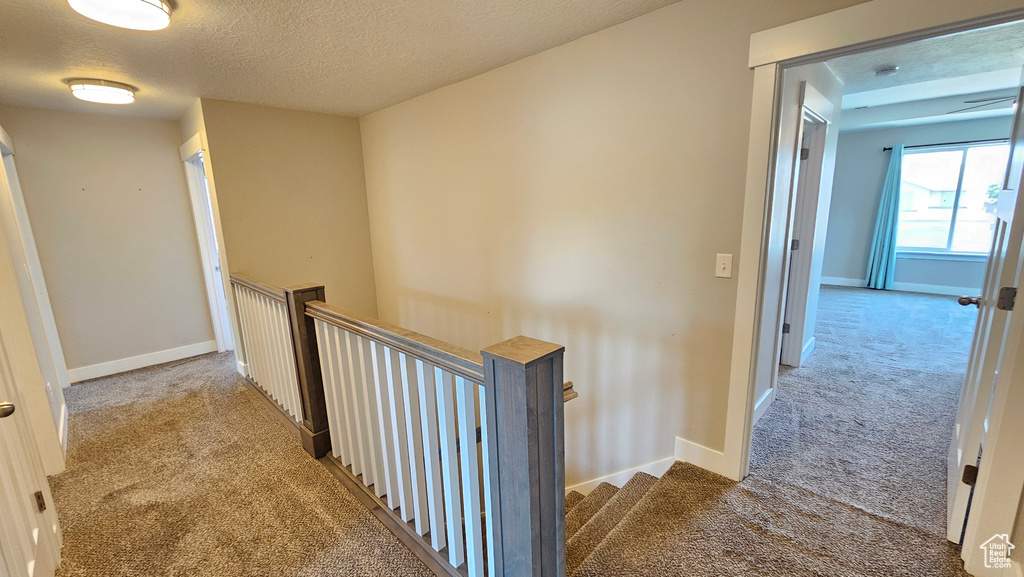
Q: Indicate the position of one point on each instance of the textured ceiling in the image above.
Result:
(350, 57)
(957, 55)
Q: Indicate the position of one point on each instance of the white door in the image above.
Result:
(30, 538)
(209, 250)
(36, 301)
(981, 385)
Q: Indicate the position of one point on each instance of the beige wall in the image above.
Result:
(580, 196)
(860, 173)
(109, 208)
(291, 197)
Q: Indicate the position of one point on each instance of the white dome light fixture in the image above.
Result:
(132, 14)
(101, 91)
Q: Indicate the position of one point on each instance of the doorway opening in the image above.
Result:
(209, 248)
(882, 399)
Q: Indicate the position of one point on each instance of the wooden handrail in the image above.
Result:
(568, 393)
(267, 290)
(456, 360)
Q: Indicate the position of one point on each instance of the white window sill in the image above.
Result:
(955, 256)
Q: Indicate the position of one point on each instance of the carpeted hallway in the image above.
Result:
(847, 468)
(179, 470)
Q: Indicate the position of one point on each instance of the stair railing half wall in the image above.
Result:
(465, 448)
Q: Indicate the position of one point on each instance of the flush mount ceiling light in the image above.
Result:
(887, 70)
(133, 14)
(102, 91)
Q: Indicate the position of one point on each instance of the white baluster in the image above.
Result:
(410, 390)
(294, 401)
(343, 393)
(275, 376)
(488, 444)
(360, 464)
(371, 430)
(431, 454)
(450, 466)
(466, 401)
(323, 343)
(400, 447)
(383, 394)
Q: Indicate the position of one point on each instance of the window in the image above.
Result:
(948, 197)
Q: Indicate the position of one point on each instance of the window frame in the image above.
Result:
(948, 252)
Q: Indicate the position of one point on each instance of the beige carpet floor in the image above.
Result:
(178, 470)
(847, 468)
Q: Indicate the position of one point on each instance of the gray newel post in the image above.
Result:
(316, 438)
(523, 383)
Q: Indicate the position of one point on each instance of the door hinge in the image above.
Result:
(785, 328)
(970, 475)
(1007, 295)
(40, 501)
(795, 245)
(805, 153)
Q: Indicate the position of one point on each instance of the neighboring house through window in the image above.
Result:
(948, 197)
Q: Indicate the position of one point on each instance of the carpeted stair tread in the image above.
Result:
(694, 522)
(588, 537)
(572, 499)
(586, 508)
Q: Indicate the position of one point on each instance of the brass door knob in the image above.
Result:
(967, 301)
(6, 409)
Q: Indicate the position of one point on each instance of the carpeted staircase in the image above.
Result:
(847, 470)
(694, 523)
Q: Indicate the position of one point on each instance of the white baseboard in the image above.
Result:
(911, 287)
(63, 429)
(132, 363)
(934, 289)
(656, 468)
(840, 281)
(241, 368)
(701, 456)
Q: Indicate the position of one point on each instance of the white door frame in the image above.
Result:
(204, 229)
(43, 391)
(867, 26)
(30, 539)
(810, 219)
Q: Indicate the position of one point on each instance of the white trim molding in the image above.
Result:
(701, 456)
(935, 289)
(655, 468)
(840, 281)
(147, 360)
(910, 287)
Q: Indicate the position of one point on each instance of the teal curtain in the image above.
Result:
(882, 261)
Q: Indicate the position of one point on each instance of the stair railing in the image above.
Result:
(466, 448)
(265, 350)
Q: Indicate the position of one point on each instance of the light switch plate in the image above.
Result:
(723, 266)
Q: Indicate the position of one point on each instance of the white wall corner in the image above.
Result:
(241, 367)
(701, 456)
(655, 468)
(131, 363)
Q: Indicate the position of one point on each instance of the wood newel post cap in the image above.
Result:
(302, 288)
(523, 351)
